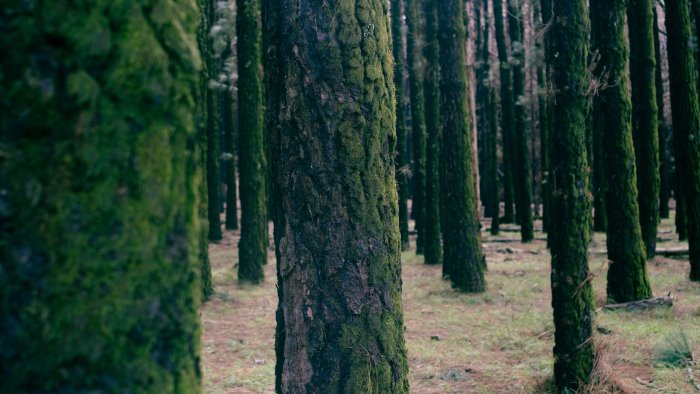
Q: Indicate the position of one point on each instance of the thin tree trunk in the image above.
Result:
(230, 135)
(340, 321)
(213, 122)
(664, 132)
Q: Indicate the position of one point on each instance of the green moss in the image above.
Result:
(100, 232)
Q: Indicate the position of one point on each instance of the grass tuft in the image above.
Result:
(675, 352)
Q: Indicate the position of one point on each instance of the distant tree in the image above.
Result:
(338, 252)
(99, 228)
(523, 175)
(431, 209)
(572, 294)
(492, 164)
(645, 116)
(401, 129)
(686, 121)
(461, 227)
(415, 77)
(543, 104)
(627, 274)
(507, 111)
(664, 130)
(482, 69)
(252, 247)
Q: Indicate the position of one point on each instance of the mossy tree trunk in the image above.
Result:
(644, 116)
(401, 131)
(333, 148)
(572, 294)
(252, 247)
(99, 227)
(600, 139)
(686, 121)
(462, 238)
(523, 175)
(627, 274)
(664, 132)
(507, 111)
(415, 77)
(431, 210)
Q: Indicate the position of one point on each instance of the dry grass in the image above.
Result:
(497, 342)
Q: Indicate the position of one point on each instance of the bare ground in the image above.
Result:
(497, 342)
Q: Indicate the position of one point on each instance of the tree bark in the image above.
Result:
(664, 132)
(572, 294)
(99, 227)
(340, 321)
(686, 121)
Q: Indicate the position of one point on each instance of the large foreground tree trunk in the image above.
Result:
(252, 247)
(686, 121)
(572, 294)
(340, 320)
(627, 274)
(462, 238)
(99, 229)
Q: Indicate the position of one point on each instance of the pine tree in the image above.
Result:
(252, 247)
(229, 165)
(482, 103)
(431, 210)
(492, 164)
(415, 77)
(572, 294)
(523, 175)
(543, 105)
(507, 111)
(401, 132)
(627, 275)
(461, 231)
(337, 122)
(664, 132)
(686, 121)
(644, 116)
(99, 228)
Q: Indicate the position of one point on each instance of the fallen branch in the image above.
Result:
(643, 304)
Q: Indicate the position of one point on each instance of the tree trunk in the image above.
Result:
(461, 226)
(230, 135)
(415, 76)
(401, 132)
(340, 321)
(213, 121)
(492, 165)
(572, 294)
(99, 227)
(482, 103)
(507, 111)
(433, 243)
(686, 121)
(252, 247)
(664, 134)
(627, 274)
(523, 175)
(644, 116)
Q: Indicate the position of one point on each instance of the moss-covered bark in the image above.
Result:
(600, 182)
(686, 121)
(461, 227)
(252, 247)
(523, 175)
(507, 112)
(572, 294)
(627, 275)
(213, 127)
(418, 133)
(99, 227)
(431, 209)
(664, 131)
(401, 130)
(644, 116)
(333, 151)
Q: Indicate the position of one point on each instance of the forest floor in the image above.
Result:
(497, 342)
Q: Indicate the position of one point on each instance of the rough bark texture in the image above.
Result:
(336, 218)
(213, 125)
(664, 131)
(401, 131)
(230, 135)
(462, 238)
(252, 247)
(600, 182)
(627, 274)
(572, 295)
(644, 116)
(523, 175)
(431, 210)
(507, 112)
(99, 227)
(686, 121)
(547, 9)
(415, 77)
